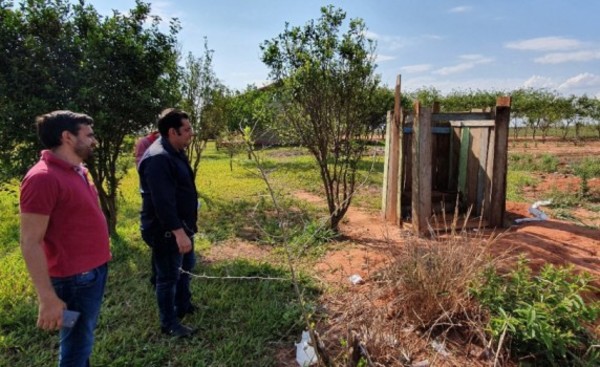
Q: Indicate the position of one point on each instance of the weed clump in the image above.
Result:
(542, 317)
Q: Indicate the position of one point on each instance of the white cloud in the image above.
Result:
(434, 37)
(164, 9)
(470, 62)
(371, 34)
(394, 43)
(537, 81)
(545, 44)
(473, 57)
(416, 68)
(384, 58)
(562, 57)
(581, 81)
(460, 9)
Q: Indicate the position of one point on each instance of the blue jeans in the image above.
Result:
(83, 293)
(172, 287)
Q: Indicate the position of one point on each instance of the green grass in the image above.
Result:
(515, 182)
(545, 163)
(241, 322)
(588, 167)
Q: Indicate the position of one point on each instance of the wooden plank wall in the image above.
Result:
(423, 158)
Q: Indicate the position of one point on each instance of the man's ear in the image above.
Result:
(66, 137)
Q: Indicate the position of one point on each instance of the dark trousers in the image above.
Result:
(82, 293)
(172, 287)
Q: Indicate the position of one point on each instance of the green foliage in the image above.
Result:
(544, 315)
(589, 167)
(468, 100)
(203, 97)
(120, 69)
(546, 163)
(326, 84)
(563, 199)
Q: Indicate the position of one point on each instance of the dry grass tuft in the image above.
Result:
(421, 296)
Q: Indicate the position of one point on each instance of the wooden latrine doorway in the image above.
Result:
(435, 160)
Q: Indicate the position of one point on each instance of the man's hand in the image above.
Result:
(183, 241)
(50, 313)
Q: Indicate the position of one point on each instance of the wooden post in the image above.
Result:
(386, 164)
(498, 190)
(398, 122)
(421, 169)
(391, 212)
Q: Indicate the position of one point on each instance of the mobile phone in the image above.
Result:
(69, 318)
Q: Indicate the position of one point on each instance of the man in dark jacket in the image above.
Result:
(169, 215)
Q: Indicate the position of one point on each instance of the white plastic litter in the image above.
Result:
(440, 348)
(305, 354)
(538, 215)
(356, 279)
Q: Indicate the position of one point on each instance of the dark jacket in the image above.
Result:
(169, 195)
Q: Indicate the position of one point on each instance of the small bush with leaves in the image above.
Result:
(543, 316)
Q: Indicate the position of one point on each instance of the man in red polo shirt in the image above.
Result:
(64, 235)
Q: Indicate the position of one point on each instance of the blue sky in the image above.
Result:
(446, 44)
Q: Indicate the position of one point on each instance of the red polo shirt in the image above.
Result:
(76, 239)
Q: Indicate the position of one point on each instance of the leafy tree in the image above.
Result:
(382, 101)
(37, 74)
(200, 85)
(584, 107)
(259, 109)
(567, 109)
(327, 85)
(469, 100)
(595, 114)
(427, 96)
(129, 72)
(119, 69)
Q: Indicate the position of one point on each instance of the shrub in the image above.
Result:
(544, 315)
(589, 167)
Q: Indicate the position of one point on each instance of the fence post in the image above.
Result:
(498, 191)
(421, 168)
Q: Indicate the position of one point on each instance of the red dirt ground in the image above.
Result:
(372, 239)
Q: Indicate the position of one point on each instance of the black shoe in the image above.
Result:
(178, 331)
(191, 309)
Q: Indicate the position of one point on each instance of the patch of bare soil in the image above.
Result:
(552, 241)
(237, 249)
(373, 243)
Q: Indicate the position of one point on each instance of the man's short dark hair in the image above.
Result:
(50, 126)
(171, 118)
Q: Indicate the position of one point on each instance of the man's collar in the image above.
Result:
(52, 158)
(168, 147)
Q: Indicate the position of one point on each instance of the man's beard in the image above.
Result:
(84, 153)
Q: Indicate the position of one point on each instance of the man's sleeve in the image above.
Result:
(161, 182)
(39, 194)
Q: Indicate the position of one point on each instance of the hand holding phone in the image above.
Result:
(69, 318)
